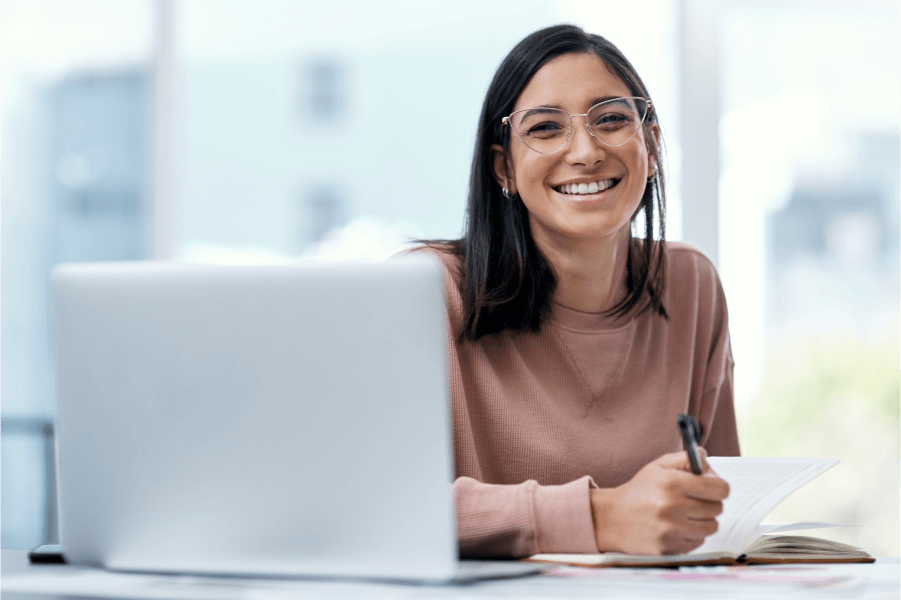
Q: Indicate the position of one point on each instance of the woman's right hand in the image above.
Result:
(663, 509)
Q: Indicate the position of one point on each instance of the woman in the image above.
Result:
(576, 346)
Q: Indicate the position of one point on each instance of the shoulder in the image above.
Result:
(691, 277)
(683, 258)
(448, 255)
(685, 263)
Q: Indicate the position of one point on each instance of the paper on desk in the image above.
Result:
(768, 528)
(764, 576)
(756, 486)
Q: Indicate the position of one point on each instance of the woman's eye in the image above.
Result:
(611, 120)
(544, 129)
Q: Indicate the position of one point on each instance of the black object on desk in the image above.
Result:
(691, 433)
(47, 554)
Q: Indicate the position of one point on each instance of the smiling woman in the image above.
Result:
(575, 345)
(560, 220)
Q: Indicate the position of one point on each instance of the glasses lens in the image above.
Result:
(544, 130)
(616, 121)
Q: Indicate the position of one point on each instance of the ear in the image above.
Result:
(504, 177)
(652, 141)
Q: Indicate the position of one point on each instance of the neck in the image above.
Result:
(591, 274)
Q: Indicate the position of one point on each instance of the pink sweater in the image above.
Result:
(540, 418)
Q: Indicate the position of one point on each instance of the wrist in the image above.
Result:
(603, 505)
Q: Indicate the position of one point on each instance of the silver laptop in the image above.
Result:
(286, 420)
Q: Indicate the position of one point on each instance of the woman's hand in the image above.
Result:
(663, 509)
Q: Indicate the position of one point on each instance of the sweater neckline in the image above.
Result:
(577, 320)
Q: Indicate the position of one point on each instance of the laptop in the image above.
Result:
(287, 421)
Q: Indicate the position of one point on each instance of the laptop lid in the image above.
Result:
(277, 420)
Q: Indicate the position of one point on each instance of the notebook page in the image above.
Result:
(756, 485)
(768, 528)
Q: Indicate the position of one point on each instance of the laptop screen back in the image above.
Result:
(288, 420)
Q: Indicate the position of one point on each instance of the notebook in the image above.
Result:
(756, 486)
(288, 420)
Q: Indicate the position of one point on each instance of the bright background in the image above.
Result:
(248, 131)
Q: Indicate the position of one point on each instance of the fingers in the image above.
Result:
(689, 534)
(703, 509)
(663, 509)
(679, 540)
(708, 486)
(703, 495)
(702, 527)
(698, 515)
(705, 488)
(683, 544)
(675, 460)
(680, 461)
(705, 466)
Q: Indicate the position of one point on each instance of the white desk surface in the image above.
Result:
(21, 581)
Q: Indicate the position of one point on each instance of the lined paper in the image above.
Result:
(756, 485)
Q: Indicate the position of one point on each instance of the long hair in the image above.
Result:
(507, 282)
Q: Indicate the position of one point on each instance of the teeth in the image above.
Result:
(586, 188)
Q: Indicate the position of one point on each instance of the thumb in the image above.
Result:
(706, 469)
(680, 461)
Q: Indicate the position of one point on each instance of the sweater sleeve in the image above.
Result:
(506, 521)
(717, 408)
(722, 439)
(521, 520)
(515, 520)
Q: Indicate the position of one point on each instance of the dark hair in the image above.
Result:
(507, 282)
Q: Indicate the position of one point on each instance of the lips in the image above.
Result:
(594, 187)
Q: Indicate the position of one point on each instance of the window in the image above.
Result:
(325, 96)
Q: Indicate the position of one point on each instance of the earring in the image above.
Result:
(506, 193)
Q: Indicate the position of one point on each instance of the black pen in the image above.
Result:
(690, 430)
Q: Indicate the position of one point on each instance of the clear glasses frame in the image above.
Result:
(508, 120)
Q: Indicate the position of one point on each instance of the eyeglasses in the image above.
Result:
(612, 122)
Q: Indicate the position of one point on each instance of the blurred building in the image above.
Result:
(291, 138)
(833, 249)
(93, 167)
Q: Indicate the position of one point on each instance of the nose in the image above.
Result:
(584, 147)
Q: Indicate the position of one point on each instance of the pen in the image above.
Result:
(690, 429)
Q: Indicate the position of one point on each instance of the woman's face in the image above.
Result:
(575, 83)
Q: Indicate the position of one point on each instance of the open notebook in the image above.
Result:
(757, 485)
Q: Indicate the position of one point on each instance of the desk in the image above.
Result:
(21, 581)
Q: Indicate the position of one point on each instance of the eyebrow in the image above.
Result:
(539, 110)
(547, 107)
(606, 98)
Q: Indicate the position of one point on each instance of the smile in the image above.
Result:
(586, 188)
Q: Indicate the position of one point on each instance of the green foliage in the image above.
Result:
(835, 397)
(806, 382)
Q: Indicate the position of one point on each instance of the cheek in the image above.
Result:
(641, 164)
(530, 172)
(641, 156)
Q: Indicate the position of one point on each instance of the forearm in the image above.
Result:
(520, 520)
